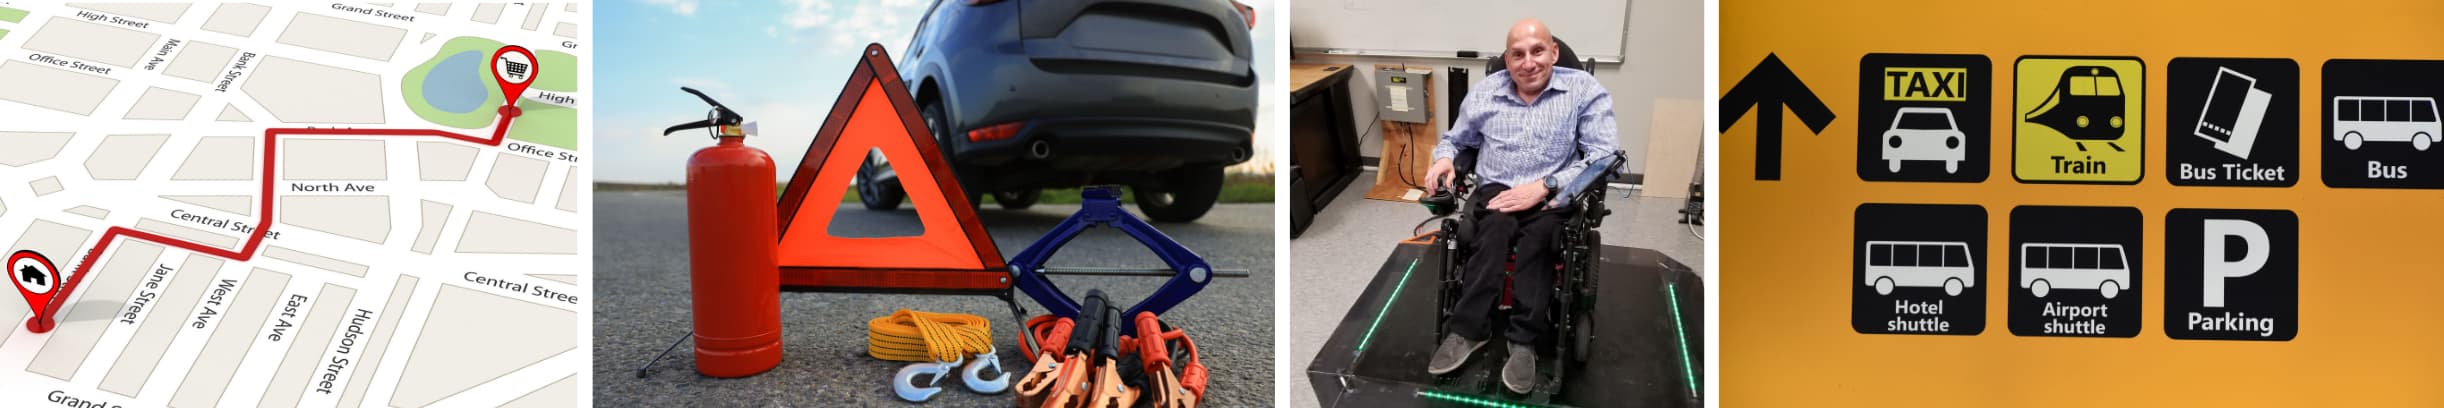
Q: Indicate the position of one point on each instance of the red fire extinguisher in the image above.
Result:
(733, 234)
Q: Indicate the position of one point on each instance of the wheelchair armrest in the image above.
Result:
(1464, 170)
(1597, 173)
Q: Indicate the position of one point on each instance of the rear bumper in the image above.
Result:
(1115, 143)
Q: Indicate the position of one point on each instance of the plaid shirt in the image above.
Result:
(1558, 135)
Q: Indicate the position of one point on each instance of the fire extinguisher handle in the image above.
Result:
(721, 115)
(690, 125)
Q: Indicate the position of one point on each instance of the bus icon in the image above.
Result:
(2360, 119)
(1920, 264)
(1921, 133)
(2085, 105)
(2099, 267)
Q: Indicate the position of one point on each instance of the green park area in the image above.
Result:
(455, 88)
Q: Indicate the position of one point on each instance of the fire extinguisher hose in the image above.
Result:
(909, 335)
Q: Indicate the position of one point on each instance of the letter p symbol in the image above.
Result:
(2217, 268)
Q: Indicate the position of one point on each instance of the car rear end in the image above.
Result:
(1102, 89)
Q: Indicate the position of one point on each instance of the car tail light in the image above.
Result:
(994, 132)
(1245, 10)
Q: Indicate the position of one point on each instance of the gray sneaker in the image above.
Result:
(1519, 372)
(1452, 353)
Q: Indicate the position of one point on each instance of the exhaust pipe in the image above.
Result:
(1039, 150)
(1238, 155)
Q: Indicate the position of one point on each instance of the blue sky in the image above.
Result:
(779, 63)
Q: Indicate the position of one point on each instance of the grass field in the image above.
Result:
(1244, 188)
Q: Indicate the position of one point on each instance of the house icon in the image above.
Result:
(32, 275)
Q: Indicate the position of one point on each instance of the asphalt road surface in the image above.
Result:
(641, 292)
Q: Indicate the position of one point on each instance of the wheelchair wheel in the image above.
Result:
(1583, 337)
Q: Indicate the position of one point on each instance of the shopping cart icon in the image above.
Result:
(517, 70)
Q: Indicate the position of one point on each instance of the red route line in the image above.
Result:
(263, 224)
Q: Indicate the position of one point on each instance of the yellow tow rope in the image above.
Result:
(909, 335)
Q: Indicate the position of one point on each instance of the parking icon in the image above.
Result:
(2076, 271)
(2079, 120)
(1924, 117)
(2231, 274)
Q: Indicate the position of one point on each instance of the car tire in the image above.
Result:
(1186, 195)
(2422, 141)
(1018, 200)
(878, 196)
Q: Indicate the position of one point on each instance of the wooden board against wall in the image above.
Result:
(1408, 149)
(1672, 144)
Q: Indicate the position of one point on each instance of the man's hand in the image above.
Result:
(1517, 199)
(1438, 175)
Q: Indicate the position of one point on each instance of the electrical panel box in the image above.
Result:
(1402, 95)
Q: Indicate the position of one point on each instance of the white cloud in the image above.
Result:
(682, 7)
(887, 21)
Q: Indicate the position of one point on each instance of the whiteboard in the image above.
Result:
(1594, 28)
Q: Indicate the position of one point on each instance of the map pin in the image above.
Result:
(514, 68)
(35, 277)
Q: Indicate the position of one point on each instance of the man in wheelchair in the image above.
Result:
(1533, 130)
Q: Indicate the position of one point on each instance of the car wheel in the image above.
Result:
(877, 196)
(2040, 288)
(1952, 287)
(1018, 200)
(1186, 195)
(2421, 141)
(1883, 286)
(2351, 140)
(2110, 289)
(937, 120)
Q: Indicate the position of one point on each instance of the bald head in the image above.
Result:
(1529, 55)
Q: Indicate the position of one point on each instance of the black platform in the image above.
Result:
(1636, 360)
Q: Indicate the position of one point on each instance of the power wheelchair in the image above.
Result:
(1575, 269)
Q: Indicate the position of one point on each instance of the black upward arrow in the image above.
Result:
(1768, 88)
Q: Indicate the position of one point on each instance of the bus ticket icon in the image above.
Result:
(2078, 120)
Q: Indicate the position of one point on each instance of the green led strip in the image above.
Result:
(1689, 376)
(1473, 401)
(1387, 307)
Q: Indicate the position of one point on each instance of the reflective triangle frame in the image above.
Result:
(953, 255)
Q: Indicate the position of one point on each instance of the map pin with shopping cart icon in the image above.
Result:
(513, 67)
(36, 279)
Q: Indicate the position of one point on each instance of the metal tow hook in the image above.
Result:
(905, 383)
(974, 377)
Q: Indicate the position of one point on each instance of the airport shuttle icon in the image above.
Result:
(2100, 267)
(1922, 133)
(1920, 264)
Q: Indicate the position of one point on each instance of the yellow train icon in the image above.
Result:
(2086, 105)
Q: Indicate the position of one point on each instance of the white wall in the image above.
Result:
(1661, 60)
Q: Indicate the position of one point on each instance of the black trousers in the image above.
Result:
(1532, 233)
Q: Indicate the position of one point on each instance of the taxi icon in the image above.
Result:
(1924, 134)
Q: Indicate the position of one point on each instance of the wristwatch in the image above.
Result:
(1550, 186)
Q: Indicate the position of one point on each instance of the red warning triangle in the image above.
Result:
(953, 254)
